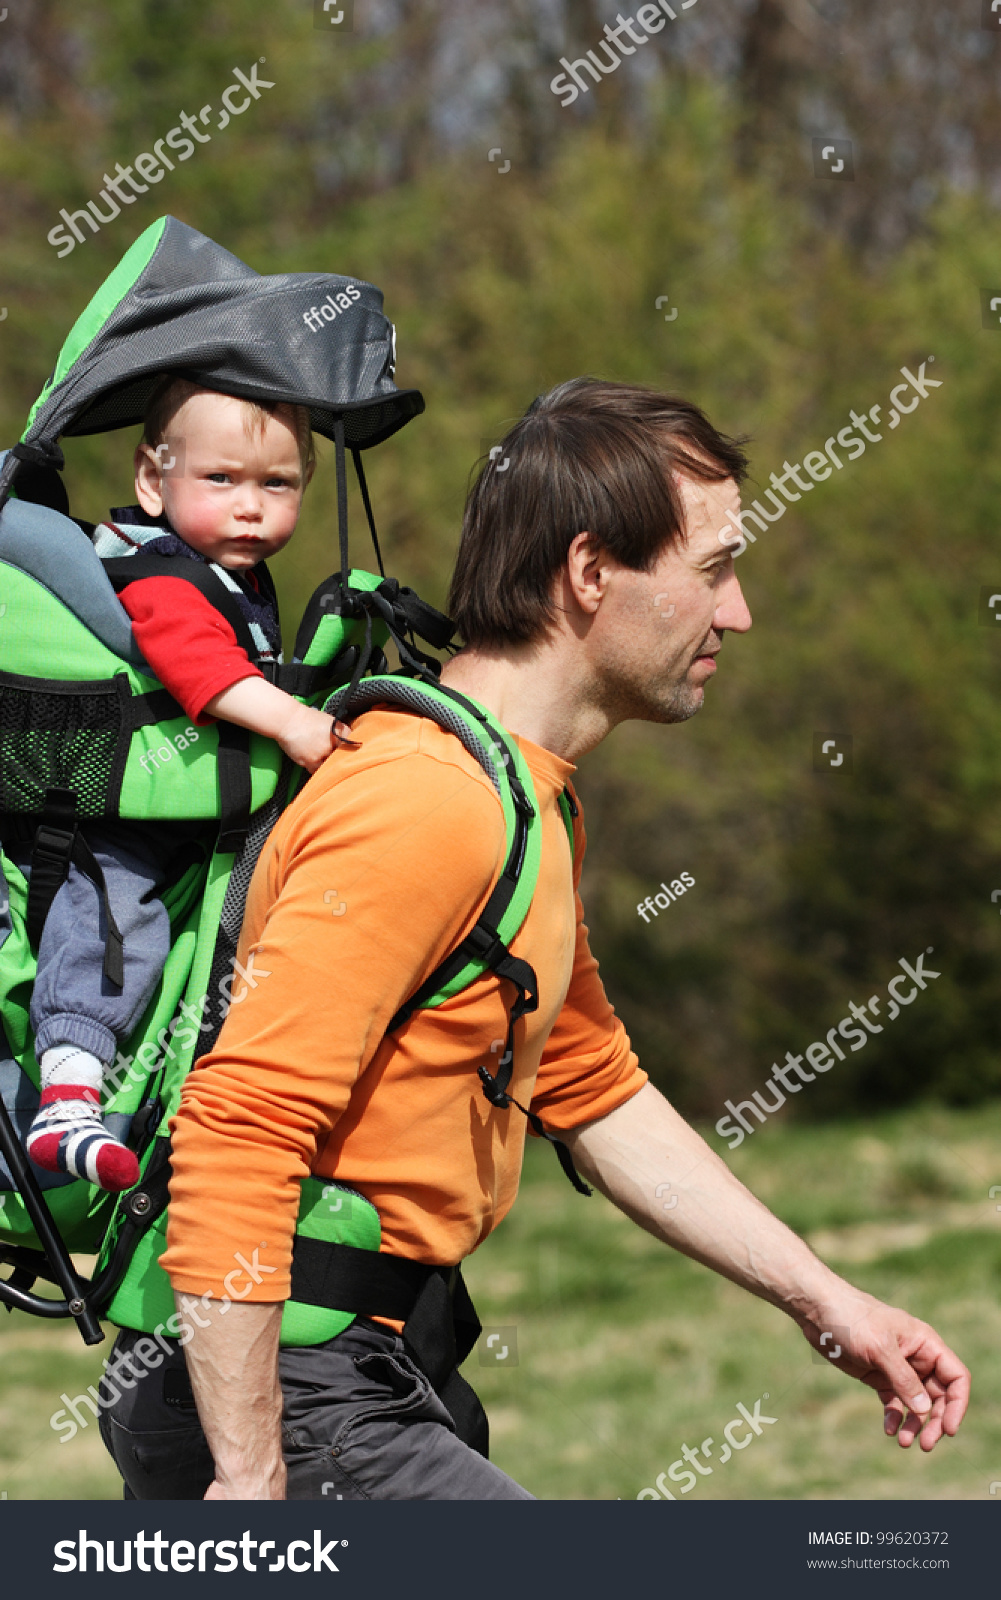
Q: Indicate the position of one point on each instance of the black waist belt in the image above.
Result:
(440, 1321)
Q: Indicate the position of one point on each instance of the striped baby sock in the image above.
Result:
(68, 1134)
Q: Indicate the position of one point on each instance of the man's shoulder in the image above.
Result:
(408, 764)
(392, 733)
(410, 795)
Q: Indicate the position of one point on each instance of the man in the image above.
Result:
(590, 587)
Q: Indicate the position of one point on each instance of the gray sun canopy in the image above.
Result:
(178, 302)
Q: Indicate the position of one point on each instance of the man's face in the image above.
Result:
(655, 635)
(238, 498)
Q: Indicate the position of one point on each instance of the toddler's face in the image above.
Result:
(238, 499)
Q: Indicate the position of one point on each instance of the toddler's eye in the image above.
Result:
(278, 483)
(217, 477)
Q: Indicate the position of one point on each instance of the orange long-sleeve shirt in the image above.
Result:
(374, 874)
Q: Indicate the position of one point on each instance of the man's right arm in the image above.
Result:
(233, 1364)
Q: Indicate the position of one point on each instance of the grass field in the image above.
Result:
(626, 1351)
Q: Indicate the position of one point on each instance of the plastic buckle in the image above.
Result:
(491, 1089)
(56, 843)
(485, 944)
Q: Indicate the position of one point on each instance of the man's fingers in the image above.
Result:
(931, 1433)
(892, 1353)
(909, 1429)
(908, 1422)
(905, 1383)
(956, 1379)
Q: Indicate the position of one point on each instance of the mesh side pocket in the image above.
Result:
(62, 736)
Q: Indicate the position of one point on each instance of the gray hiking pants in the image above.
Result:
(72, 1001)
(361, 1422)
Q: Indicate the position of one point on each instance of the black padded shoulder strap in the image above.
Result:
(123, 570)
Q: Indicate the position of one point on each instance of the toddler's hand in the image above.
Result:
(310, 735)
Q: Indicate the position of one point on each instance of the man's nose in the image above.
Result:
(732, 614)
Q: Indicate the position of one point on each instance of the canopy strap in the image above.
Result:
(363, 486)
(342, 501)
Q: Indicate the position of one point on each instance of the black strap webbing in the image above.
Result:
(440, 1322)
(123, 570)
(369, 1282)
(114, 945)
(235, 785)
(45, 454)
(366, 502)
(295, 677)
(143, 710)
(342, 502)
(57, 842)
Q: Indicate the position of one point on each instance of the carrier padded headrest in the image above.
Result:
(51, 549)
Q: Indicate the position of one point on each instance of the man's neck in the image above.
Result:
(532, 692)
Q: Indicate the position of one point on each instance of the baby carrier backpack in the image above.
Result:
(86, 733)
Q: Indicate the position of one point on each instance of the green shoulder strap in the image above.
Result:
(497, 752)
(487, 946)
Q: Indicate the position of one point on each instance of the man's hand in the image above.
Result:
(922, 1383)
(642, 1150)
(233, 1363)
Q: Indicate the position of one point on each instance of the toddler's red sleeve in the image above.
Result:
(188, 644)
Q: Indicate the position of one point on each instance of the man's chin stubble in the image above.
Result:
(676, 703)
(681, 705)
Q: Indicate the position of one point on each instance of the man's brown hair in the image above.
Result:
(589, 456)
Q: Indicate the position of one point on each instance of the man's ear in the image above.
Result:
(586, 571)
(148, 480)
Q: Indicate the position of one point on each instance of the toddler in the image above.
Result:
(233, 500)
